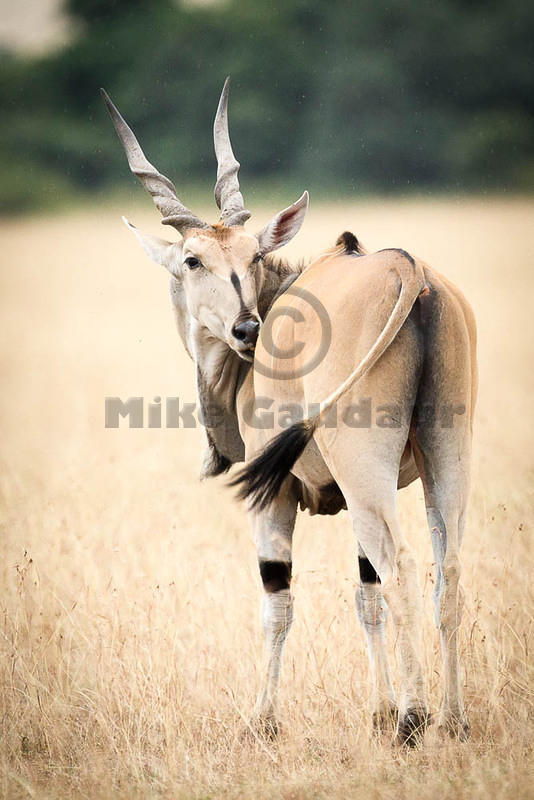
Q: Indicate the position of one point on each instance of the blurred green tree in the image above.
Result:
(342, 98)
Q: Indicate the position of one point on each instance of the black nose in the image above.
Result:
(247, 331)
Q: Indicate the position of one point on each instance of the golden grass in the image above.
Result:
(130, 634)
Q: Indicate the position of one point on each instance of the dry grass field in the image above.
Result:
(129, 593)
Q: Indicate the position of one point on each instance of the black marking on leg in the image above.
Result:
(276, 575)
(400, 251)
(368, 574)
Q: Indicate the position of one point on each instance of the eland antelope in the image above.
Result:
(400, 337)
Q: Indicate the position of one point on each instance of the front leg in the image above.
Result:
(273, 530)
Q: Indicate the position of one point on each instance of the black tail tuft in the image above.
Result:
(261, 479)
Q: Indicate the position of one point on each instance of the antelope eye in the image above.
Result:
(257, 258)
(192, 262)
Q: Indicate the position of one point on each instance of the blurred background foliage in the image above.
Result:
(338, 97)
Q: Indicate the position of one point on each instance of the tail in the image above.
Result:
(261, 479)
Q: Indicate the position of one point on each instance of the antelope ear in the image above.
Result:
(168, 254)
(281, 229)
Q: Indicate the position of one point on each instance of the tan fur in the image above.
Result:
(438, 337)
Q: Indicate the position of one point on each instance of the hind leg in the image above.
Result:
(445, 527)
(446, 487)
(442, 453)
(372, 611)
(374, 517)
(365, 464)
(440, 435)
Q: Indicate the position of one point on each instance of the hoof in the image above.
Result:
(456, 725)
(412, 726)
(385, 719)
